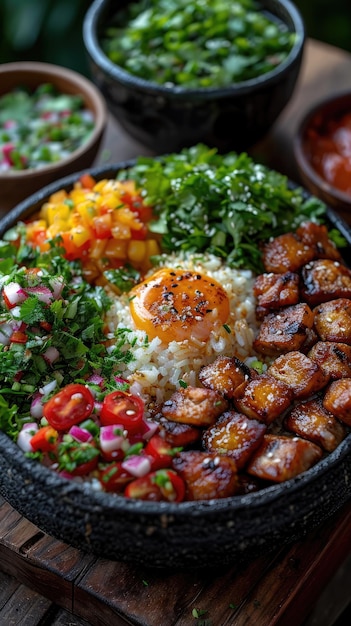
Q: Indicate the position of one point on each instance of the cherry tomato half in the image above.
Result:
(73, 404)
(163, 485)
(160, 452)
(114, 478)
(120, 407)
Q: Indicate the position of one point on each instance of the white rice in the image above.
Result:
(157, 367)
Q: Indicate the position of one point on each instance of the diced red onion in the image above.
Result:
(95, 379)
(6, 331)
(137, 465)
(148, 428)
(14, 294)
(80, 434)
(109, 439)
(36, 407)
(43, 293)
(25, 435)
(51, 354)
(57, 285)
(48, 388)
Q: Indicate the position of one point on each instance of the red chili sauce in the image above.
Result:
(328, 143)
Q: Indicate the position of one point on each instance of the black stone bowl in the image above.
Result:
(164, 535)
(167, 119)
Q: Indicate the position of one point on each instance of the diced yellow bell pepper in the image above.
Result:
(116, 249)
(136, 251)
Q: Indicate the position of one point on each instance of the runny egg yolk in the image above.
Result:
(180, 304)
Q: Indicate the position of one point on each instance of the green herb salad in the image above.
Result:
(41, 127)
(205, 43)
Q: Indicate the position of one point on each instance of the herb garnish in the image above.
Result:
(221, 204)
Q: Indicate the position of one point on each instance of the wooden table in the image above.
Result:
(43, 581)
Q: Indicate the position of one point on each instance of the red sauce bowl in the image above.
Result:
(322, 151)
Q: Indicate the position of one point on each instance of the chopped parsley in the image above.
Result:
(220, 204)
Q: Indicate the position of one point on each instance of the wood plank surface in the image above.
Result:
(277, 589)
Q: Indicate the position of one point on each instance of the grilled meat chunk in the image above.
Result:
(333, 358)
(176, 434)
(286, 253)
(332, 320)
(313, 422)
(280, 458)
(263, 398)
(324, 280)
(316, 235)
(195, 406)
(337, 399)
(206, 475)
(225, 374)
(284, 331)
(234, 435)
(300, 373)
(274, 291)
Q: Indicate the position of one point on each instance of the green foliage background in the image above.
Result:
(51, 30)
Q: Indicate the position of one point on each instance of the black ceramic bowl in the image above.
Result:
(169, 118)
(188, 534)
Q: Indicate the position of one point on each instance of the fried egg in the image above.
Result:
(179, 304)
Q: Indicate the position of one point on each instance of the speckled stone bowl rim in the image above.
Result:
(48, 72)
(91, 41)
(325, 108)
(119, 504)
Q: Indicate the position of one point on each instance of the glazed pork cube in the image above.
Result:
(206, 475)
(225, 374)
(195, 406)
(234, 435)
(299, 372)
(274, 291)
(263, 398)
(313, 422)
(176, 434)
(286, 253)
(317, 236)
(333, 358)
(332, 320)
(324, 280)
(281, 457)
(284, 331)
(337, 399)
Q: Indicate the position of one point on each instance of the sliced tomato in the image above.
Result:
(160, 451)
(73, 404)
(44, 440)
(114, 478)
(162, 485)
(120, 407)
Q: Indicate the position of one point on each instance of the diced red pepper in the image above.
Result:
(44, 440)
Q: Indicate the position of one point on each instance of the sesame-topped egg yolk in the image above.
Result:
(179, 304)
